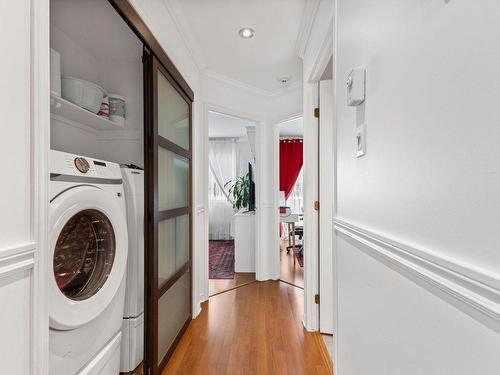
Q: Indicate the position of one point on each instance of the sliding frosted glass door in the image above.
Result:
(168, 222)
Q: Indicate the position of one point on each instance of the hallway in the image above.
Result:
(255, 329)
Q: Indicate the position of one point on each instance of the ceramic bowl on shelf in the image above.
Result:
(83, 93)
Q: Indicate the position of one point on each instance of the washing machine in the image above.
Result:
(132, 349)
(88, 261)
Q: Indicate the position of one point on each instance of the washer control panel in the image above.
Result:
(75, 165)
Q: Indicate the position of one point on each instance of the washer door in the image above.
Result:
(88, 248)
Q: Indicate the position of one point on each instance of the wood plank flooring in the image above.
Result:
(291, 271)
(216, 286)
(252, 330)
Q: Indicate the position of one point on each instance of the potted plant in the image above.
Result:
(239, 189)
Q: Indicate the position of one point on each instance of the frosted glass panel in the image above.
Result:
(173, 313)
(173, 246)
(173, 180)
(173, 114)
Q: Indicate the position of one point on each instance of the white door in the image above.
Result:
(326, 194)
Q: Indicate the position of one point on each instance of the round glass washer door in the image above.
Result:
(89, 246)
(84, 254)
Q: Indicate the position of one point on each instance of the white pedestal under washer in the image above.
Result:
(132, 350)
(88, 245)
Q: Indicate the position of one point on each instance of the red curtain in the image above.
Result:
(290, 163)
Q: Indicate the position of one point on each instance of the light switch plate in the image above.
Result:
(356, 87)
(361, 140)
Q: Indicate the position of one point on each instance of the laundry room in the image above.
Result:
(97, 191)
(93, 53)
(119, 213)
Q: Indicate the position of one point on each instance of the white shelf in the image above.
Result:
(69, 111)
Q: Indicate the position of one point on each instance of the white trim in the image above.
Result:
(323, 56)
(306, 25)
(8, 252)
(19, 260)
(311, 217)
(184, 30)
(326, 191)
(335, 195)
(40, 145)
(174, 9)
(249, 88)
(203, 293)
(474, 290)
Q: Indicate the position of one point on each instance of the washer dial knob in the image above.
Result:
(82, 165)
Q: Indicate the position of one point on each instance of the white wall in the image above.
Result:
(23, 151)
(429, 185)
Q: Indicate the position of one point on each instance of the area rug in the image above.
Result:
(221, 260)
(300, 257)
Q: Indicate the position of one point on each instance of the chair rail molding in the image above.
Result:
(474, 291)
(17, 259)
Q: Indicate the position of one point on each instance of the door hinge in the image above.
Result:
(316, 205)
(316, 299)
(316, 112)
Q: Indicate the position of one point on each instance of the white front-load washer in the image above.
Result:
(88, 260)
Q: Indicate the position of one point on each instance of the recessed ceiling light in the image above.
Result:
(246, 32)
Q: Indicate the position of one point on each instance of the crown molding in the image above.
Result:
(323, 56)
(249, 88)
(181, 24)
(306, 25)
(174, 9)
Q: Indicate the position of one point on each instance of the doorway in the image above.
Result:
(291, 201)
(231, 202)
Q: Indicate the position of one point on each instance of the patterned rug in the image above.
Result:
(221, 260)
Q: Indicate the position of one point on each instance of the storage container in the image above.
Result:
(117, 109)
(83, 93)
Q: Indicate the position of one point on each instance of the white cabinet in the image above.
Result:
(244, 242)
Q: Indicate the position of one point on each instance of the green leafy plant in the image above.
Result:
(239, 189)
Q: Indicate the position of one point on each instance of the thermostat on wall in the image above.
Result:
(356, 83)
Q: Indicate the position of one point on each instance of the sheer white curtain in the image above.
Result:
(296, 199)
(223, 164)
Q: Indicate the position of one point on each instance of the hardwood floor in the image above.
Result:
(290, 272)
(138, 371)
(216, 286)
(253, 330)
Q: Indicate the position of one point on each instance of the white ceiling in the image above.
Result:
(224, 126)
(292, 128)
(211, 30)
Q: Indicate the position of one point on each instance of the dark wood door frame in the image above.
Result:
(155, 58)
(154, 215)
